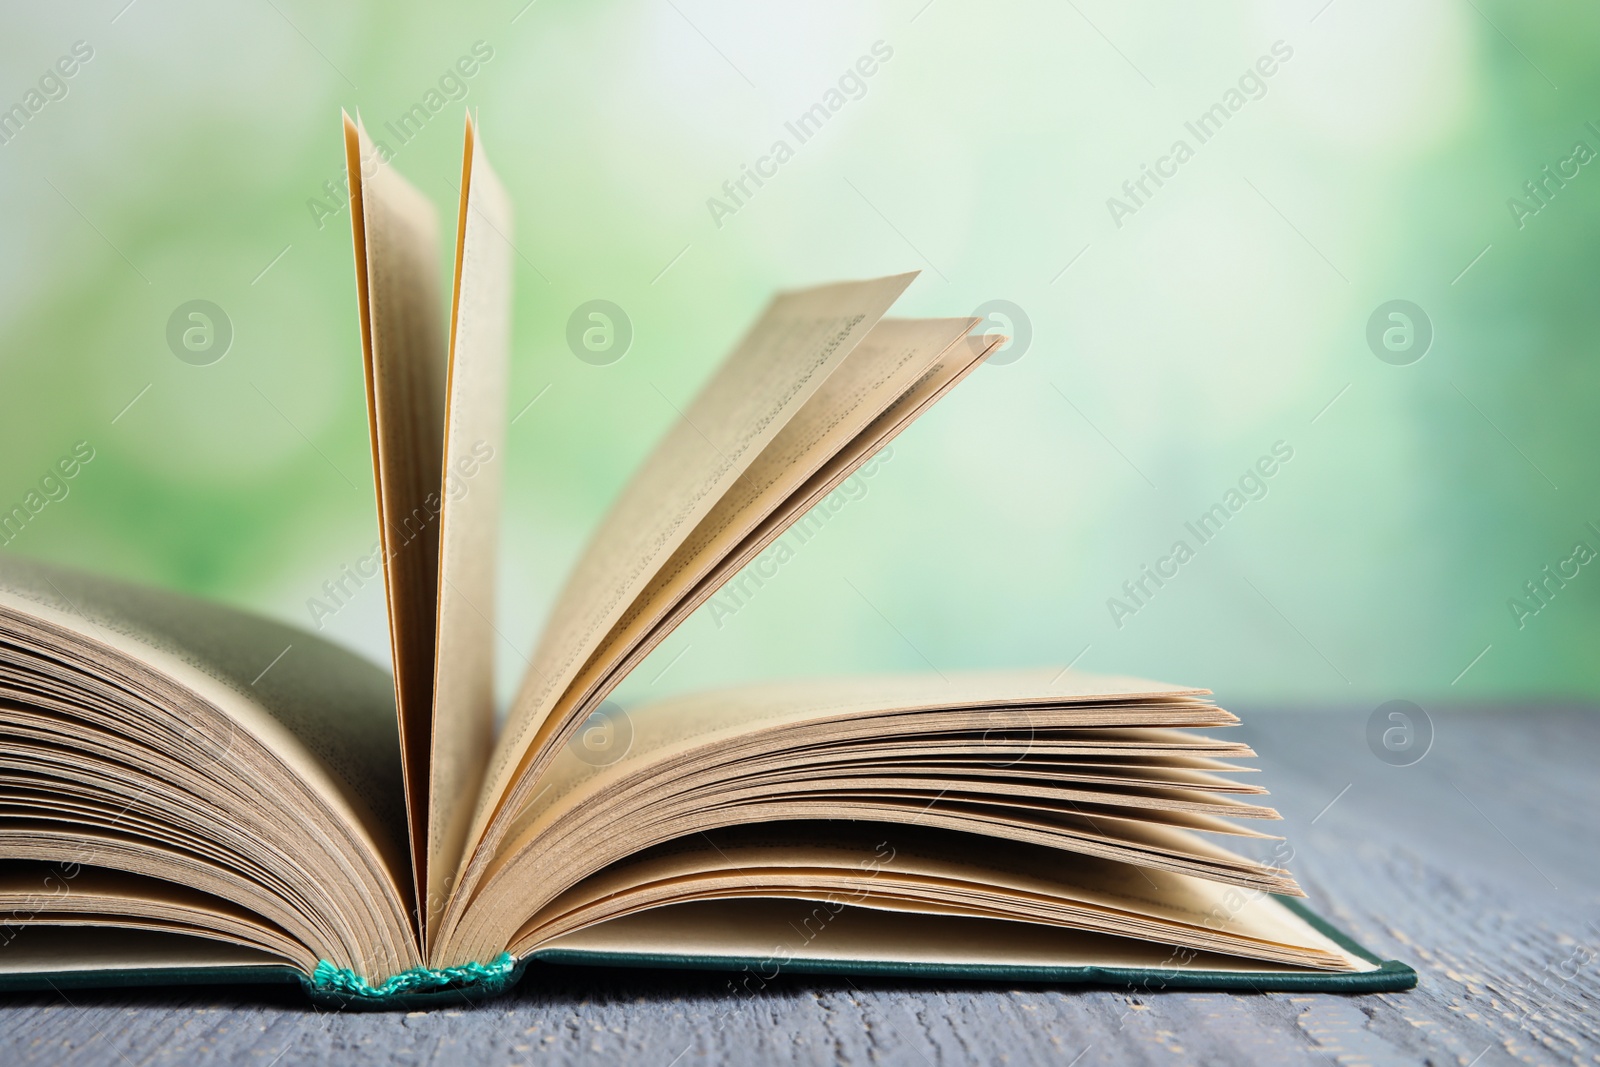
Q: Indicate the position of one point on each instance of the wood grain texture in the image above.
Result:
(1477, 865)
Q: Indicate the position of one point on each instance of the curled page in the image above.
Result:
(474, 447)
(396, 239)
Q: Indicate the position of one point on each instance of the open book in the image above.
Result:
(190, 793)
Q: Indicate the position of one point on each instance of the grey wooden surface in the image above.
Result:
(1477, 865)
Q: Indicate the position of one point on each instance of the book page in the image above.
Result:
(469, 525)
(780, 363)
(118, 956)
(738, 729)
(786, 934)
(883, 368)
(34, 893)
(703, 566)
(396, 244)
(942, 873)
(200, 720)
(860, 748)
(929, 869)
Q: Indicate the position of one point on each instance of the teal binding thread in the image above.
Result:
(491, 977)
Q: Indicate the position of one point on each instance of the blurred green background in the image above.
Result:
(1172, 345)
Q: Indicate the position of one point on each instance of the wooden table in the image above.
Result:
(1478, 866)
